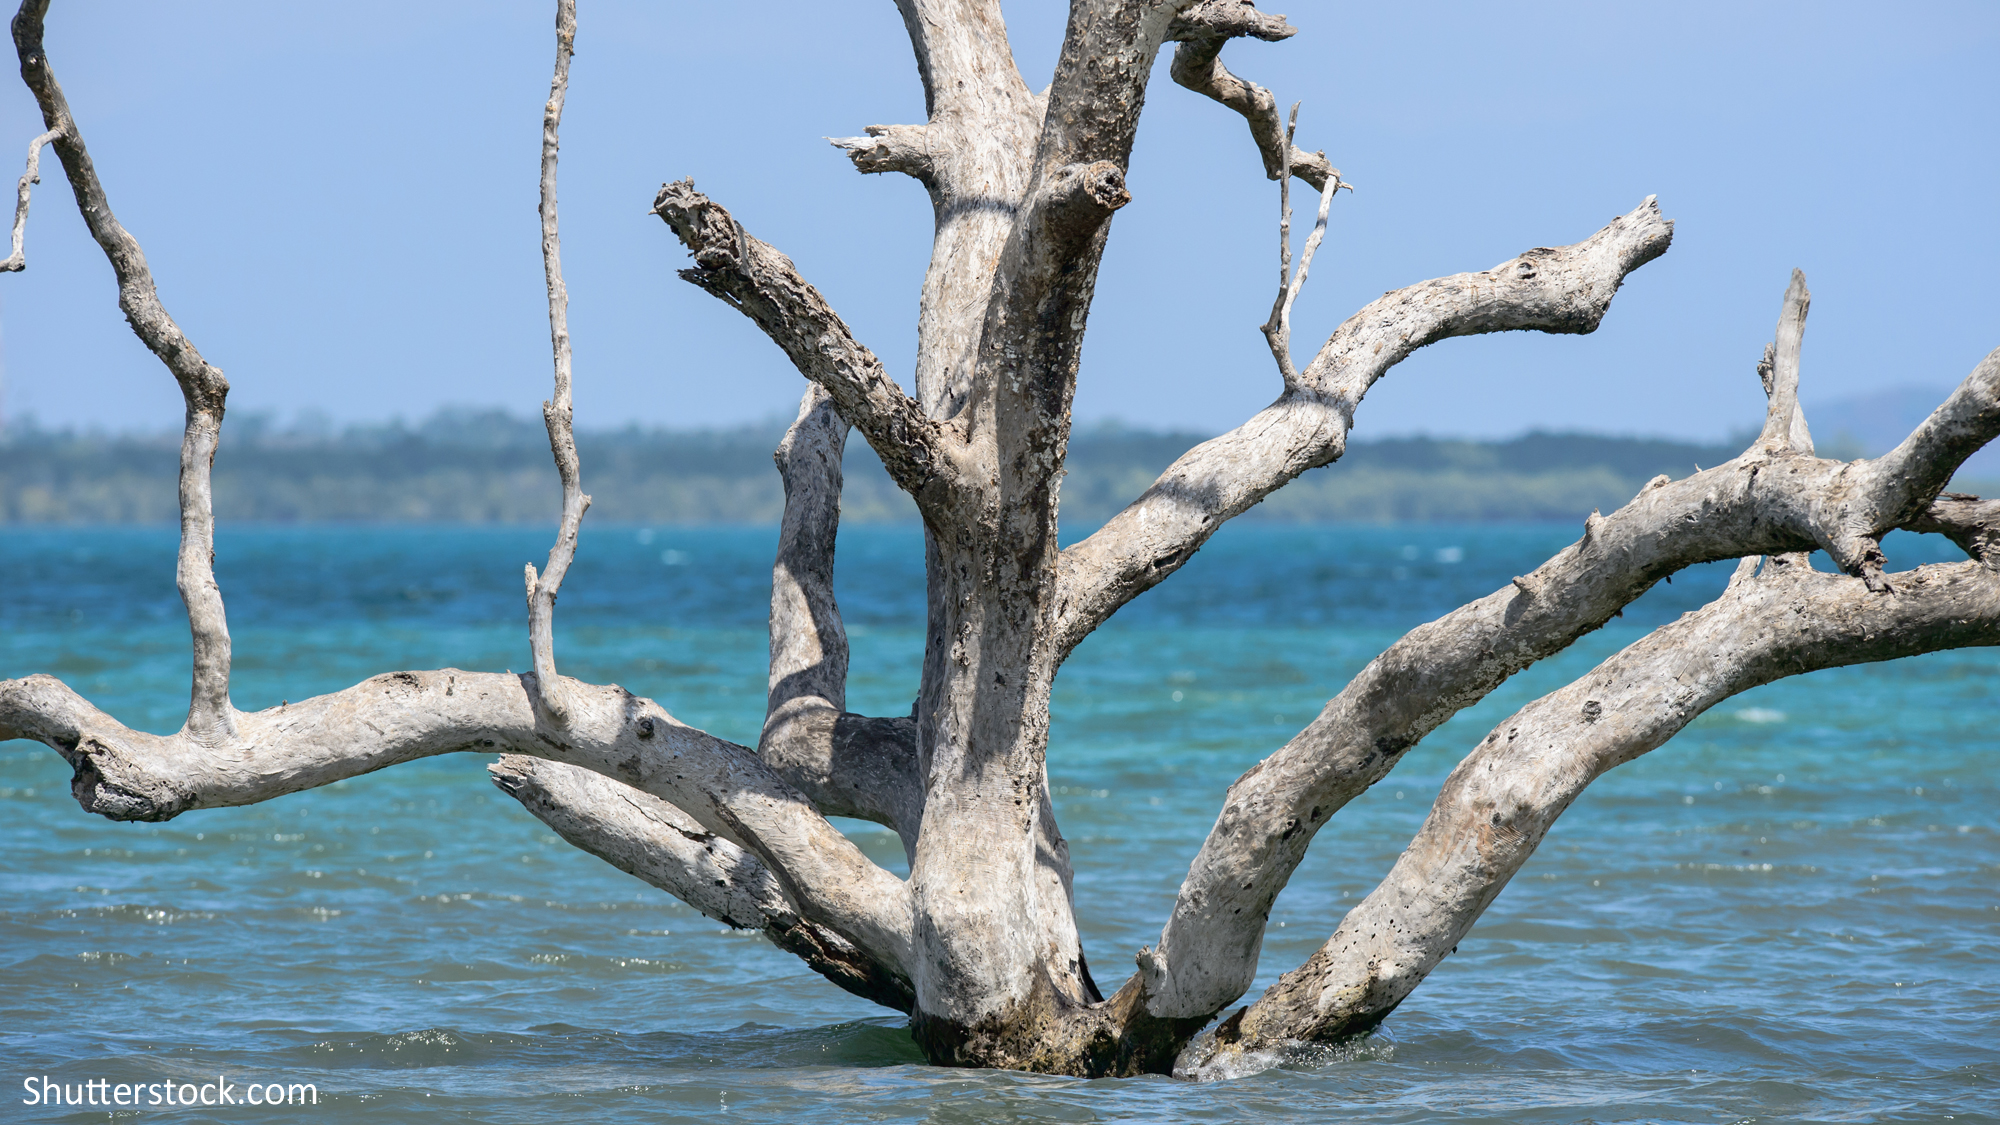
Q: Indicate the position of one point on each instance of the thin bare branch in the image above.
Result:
(558, 412)
(1278, 329)
(652, 840)
(18, 261)
(1779, 620)
(762, 284)
(203, 388)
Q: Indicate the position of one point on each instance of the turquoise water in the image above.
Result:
(1789, 913)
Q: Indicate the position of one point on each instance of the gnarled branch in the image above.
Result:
(1968, 521)
(1202, 31)
(763, 285)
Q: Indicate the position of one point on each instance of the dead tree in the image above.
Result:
(979, 945)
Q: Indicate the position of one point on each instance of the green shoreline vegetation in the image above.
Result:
(464, 466)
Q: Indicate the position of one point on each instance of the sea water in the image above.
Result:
(1787, 913)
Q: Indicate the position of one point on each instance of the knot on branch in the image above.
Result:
(1080, 197)
(1220, 20)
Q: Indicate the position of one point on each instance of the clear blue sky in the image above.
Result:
(338, 202)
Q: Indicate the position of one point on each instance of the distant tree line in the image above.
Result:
(462, 466)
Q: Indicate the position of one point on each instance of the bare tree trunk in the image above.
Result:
(979, 945)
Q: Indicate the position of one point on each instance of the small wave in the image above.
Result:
(151, 915)
(424, 1047)
(590, 961)
(1202, 1061)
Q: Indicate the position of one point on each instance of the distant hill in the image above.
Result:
(489, 467)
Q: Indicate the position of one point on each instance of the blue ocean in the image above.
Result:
(1791, 912)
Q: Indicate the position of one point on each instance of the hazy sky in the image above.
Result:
(338, 201)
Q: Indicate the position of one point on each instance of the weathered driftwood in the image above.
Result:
(979, 944)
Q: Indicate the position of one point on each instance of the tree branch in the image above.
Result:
(808, 641)
(1197, 66)
(1546, 290)
(849, 765)
(974, 154)
(1756, 504)
(211, 718)
(763, 285)
(653, 841)
(1278, 329)
(1222, 20)
(1030, 342)
(963, 57)
(18, 261)
(557, 413)
(124, 774)
(1968, 521)
(1500, 802)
